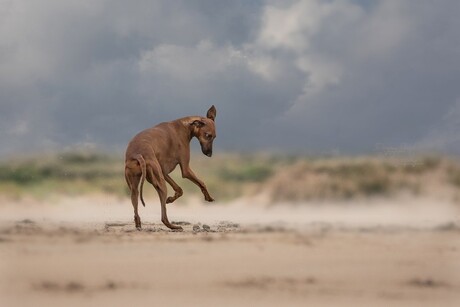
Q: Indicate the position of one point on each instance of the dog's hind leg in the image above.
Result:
(156, 178)
(177, 189)
(133, 184)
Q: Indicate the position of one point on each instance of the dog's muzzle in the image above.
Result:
(207, 153)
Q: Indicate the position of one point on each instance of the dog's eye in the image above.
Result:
(208, 136)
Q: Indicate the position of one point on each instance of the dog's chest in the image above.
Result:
(168, 163)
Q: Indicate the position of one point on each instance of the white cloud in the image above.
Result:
(309, 29)
(296, 28)
(206, 60)
(327, 40)
(194, 62)
(293, 27)
(265, 66)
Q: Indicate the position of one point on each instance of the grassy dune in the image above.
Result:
(229, 176)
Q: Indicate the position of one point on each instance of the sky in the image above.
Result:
(311, 76)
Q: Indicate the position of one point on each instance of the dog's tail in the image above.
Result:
(141, 161)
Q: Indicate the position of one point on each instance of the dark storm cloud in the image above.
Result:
(298, 75)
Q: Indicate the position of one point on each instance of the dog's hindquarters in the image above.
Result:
(139, 168)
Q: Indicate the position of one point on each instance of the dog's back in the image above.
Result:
(155, 140)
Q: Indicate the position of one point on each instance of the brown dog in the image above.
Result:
(155, 152)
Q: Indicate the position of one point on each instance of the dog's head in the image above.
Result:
(205, 131)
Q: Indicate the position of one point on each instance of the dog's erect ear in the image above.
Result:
(197, 123)
(211, 113)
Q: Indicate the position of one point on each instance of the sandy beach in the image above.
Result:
(86, 252)
(326, 131)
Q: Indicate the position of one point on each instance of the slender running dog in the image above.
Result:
(155, 152)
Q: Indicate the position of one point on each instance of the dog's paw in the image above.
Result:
(176, 228)
(210, 199)
(170, 200)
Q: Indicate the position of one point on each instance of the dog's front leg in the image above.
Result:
(188, 173)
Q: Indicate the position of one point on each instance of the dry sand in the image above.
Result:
(86, 252)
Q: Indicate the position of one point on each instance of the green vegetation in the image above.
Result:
(250, 173)
(454, 176)
(62, 174)
(229, 176)
(359, 177)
